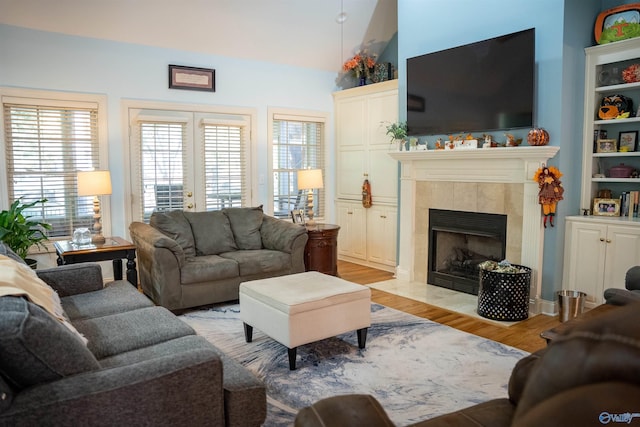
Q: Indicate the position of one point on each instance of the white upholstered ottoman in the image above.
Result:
(302, 308)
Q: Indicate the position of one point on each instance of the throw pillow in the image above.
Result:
(245, 224)
(20, 280)
(211, 232)
(174, 224)
(35, 347)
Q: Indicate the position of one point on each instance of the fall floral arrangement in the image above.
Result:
(361, 64)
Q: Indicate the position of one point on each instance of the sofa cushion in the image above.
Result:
(245, 224)
(6, 395)
(8, 252)
(175, 225)
(211, 232)
(207, 268)
(116, 297)
(131, 330)
(36, 347)
(259, 261)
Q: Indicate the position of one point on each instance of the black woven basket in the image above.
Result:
(504, 296)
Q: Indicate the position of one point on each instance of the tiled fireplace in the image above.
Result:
(495, 181)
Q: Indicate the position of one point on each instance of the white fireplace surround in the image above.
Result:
(512, 165)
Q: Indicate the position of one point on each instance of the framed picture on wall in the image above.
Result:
(192, 78)
(628, 141)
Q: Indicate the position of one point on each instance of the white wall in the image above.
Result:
(51, 61)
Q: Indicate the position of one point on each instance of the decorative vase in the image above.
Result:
(362, 81)
(400, 144)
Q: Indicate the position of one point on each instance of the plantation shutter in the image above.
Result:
(298, 143)
(47, 142)
(161, 164)
(225, 146)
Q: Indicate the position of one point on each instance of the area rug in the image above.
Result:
(416, 368)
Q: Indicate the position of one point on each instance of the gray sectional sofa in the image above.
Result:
(141, 365)
(188, 259)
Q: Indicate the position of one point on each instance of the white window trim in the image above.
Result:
(127, 105)
(34, 96)
(274, 113)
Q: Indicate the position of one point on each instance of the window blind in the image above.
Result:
(162, 164)
(225, 151)
(298, 143)
(46, 144)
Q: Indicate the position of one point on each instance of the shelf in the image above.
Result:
(617, 121)
(617, 88)
(633, 180)
(622, 154)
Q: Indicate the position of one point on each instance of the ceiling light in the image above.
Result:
(341, 18)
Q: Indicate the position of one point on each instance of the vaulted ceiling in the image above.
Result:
(306, 33)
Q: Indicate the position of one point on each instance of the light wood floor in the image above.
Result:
(524, 335)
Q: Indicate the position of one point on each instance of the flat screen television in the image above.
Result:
(479, 87)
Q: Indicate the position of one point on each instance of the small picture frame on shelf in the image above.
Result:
(606, 207)
(628, 141)
(607, 146)
(297, 215)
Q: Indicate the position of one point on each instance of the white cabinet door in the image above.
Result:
(598, 255)
(623, 252)
(351, 135)
(352, 237)
(381, 234)
(585, 255)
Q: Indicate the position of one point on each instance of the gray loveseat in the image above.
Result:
(140, 366)
(188, 259)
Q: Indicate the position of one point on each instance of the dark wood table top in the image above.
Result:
(552, 333)
(111, 244)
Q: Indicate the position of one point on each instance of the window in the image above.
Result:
(187, 160)
(297, 142)
(47, 141)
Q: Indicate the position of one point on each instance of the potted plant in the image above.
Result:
(19, 232)
(397, 132)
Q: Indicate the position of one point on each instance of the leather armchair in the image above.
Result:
(631, 293)
(589, 375)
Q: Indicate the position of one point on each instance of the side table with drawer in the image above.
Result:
(321, 252)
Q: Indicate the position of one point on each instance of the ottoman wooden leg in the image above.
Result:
(362, 337)
(248, 332)
(292, 358)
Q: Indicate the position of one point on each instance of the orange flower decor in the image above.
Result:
(360, 64)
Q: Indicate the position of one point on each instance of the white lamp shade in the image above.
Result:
(310, 178)
(94, 183)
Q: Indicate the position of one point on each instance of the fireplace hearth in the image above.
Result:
(459, 242)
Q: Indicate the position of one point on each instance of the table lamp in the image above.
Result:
(310, 179)
(95, 183)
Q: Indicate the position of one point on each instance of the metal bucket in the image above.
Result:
(571, 304)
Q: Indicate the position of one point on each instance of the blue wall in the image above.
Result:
(51, 61)
(563, 30)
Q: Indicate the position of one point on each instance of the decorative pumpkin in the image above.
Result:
(538, 136)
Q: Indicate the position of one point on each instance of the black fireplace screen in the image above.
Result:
(458, 242)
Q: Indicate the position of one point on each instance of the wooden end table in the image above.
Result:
(551, 334)
(114, 248)
(321, 251)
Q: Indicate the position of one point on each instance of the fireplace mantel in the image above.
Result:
(508, 165)
(512, 165)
